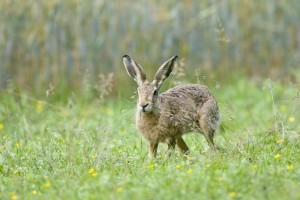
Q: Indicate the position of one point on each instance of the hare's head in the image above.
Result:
(148, 92)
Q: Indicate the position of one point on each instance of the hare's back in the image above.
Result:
(180, 106)
(196, 92)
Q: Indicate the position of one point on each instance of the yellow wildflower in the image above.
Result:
(283, 108)
(120, 151)
(92, 170)
(290, 167)
(208, 165)
(255, 166)
(277, 156)
(190, 171)
(16, 172)
(13, 196)
(119, 189)
(1, 126)
(34, 192)
(292, 119)
(39, 106)
(232, 194)
(47, 185)
(94, 174)
(178, 166)
(18, 145)
(279, 141)
(188, 158)
(151, 166)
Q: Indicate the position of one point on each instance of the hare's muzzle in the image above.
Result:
(145, 108)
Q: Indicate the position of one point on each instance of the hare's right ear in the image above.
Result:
(134, 70)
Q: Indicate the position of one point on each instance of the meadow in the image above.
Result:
(67, 105)
(78, 147)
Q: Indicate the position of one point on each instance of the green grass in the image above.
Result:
(50, 146)
(62, 41)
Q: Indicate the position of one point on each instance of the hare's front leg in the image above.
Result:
(152, 150)
(182, 146)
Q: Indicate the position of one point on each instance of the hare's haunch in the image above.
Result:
(166, 117)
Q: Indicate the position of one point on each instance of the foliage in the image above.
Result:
(90, 149)
(57, 42)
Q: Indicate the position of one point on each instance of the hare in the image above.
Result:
(166, 117)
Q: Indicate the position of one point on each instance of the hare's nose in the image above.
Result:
(144, 106)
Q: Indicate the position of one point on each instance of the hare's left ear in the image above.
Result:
(164, 71)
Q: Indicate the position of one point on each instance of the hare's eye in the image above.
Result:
(155, 92)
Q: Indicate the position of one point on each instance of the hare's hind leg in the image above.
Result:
(182, 146)
(208, 121)
(171, 146)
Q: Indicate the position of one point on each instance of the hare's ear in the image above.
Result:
(134, 70)
(164, 71)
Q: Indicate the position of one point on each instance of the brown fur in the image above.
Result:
(166, 117)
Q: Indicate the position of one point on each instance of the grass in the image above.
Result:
(61, 40)
(79, 149)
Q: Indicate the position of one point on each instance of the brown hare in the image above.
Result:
(166, 117)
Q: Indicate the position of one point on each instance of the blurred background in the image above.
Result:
(65, 44)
